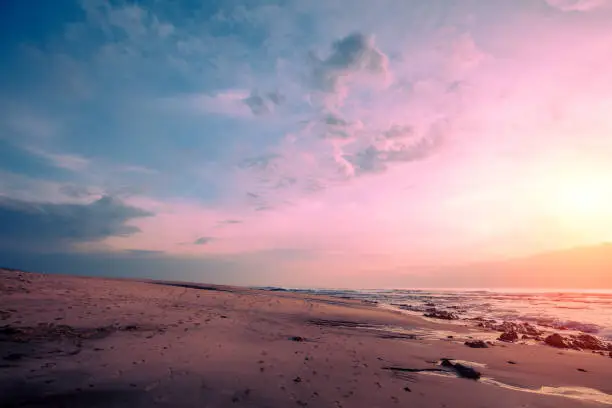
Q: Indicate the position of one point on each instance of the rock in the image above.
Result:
(588, 342)
(297, 338)
(577, 342)
(556, 340)
(409, 307)
(461, 369)
(519, 328)
(441, 314)
(445, 362)
(476, 344)
(509, 336)
(467, 372)
(511, 362)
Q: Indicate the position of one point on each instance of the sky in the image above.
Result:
(305, 143)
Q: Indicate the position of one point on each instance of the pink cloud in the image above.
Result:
(513, 109)
(578, 5)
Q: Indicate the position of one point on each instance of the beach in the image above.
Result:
(68, 341)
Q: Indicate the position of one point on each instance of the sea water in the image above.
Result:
(587, 311)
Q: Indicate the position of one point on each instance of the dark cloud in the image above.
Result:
(262, 162)
(46, 226)
(276, 97)
(143, 252)
(369, 160)
(353, 53)
(258, 202)
(375, 160)
(203, 241)
(230, 222)
(334, 120)
(398, 132)
(336, 127)
(75, 191)
(338, 134)
(257, 104)
(263, 104)
(285, 182)
(313, 185)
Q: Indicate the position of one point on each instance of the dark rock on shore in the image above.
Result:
(441, 314)
(577, 342)
(588, 342)
(407, 307)
(476, 344)
(556, 340)
(508, 327)
(509, 336)
(462, 370)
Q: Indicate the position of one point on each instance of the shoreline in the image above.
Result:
(84, 341)
(421, 303)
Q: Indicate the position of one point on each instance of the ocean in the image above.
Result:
(586, 311)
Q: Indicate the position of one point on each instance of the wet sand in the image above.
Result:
(89, 342)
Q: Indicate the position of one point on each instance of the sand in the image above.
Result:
(90, 342)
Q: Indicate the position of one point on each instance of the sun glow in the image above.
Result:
(582, 201)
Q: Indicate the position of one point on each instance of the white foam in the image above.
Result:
(580, 393)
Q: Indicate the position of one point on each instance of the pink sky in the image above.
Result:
(529, 119)
(425, 133)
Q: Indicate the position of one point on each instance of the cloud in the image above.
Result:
(131, 20)
(229, 102)
(203, 241)
(135, 169)
(352, 55)
(336, 127)
(263, 104)
(74, 191)
(27, 124)
(45, 226)
(399, 132)
(71, 162)
(35, 190)
(228, 222)
(577, 5)
(142, 252)
(375, 159)
(262, 162)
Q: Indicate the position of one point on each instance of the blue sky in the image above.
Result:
(227, 138)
